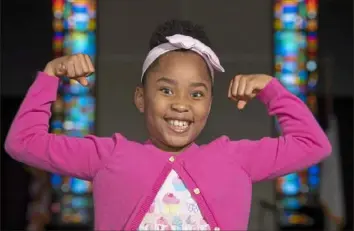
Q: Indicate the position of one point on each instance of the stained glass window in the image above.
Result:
(74, 24)
(295, 58)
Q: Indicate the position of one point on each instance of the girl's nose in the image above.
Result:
(180, 107)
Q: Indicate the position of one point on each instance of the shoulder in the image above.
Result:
(226, 153)
(124, 144)
(226, 145)
(219, 144)
(114, 145)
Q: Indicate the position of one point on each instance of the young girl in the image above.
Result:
(169, 182)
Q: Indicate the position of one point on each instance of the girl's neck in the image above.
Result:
(166, 148)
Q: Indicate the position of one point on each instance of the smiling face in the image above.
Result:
(176, 99)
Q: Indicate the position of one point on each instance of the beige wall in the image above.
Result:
(241, 32)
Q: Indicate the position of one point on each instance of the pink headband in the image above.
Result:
(179, 41)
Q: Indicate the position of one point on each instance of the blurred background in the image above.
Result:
(306, 44)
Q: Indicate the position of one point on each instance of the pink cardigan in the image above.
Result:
(127, 175)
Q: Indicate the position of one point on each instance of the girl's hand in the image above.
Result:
(245, 87)
(77, 67)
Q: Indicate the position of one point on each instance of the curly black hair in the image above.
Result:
(173, 27)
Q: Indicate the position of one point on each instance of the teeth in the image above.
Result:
(179, 123)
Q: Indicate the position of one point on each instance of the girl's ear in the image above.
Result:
(139, 98)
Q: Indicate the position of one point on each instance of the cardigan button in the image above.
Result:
(172, 159)
(196, 191)
(216, 229)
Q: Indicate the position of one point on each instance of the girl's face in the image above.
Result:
(176, 99)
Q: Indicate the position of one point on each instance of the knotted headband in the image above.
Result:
(179, 41)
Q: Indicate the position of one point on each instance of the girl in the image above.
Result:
(169, 182)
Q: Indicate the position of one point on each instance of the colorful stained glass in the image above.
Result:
(74, 23)
(295, 65)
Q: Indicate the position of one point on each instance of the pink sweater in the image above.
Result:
(127, 175)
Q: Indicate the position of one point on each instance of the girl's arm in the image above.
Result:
(28, 140)
(302, 144)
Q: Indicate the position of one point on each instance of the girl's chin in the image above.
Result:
(177, 145)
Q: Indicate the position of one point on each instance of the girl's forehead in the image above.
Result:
(182, 62)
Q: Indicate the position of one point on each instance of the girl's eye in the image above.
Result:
(197, 94)
(166, 91)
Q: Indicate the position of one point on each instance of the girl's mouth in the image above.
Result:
(178, 126)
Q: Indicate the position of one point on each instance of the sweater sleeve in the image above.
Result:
(302, 143)
(29, 141)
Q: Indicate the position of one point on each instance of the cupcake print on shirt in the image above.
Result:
(178, 184)
(171, 203)
(174, 208)
(177, 223)
(162, 224)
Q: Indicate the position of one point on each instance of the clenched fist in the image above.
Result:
(77, 67)
(245, 87)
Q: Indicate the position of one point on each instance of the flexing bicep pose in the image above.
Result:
(169, 182)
